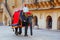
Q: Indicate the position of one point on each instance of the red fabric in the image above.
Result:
(16, 17)
(28, 13)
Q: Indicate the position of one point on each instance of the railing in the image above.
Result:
(36, 3)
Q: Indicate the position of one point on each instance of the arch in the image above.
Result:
(35, 20)
(49, 22)
(58, 23)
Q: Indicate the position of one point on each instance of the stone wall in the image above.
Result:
(42, 17)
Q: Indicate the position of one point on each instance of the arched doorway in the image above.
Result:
(58, 23)
(49, 22)
(35, 21)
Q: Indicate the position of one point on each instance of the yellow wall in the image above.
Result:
(1, 17)
(12, 4)
(42, 16)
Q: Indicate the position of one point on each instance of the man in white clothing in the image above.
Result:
(25, 9)
(25, 22)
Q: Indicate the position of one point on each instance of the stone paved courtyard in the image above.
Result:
(6, 33)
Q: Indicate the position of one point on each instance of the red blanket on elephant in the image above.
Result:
(16, 19)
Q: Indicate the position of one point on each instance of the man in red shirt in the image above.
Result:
(30, 21)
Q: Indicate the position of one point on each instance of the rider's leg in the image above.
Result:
(26, 29)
